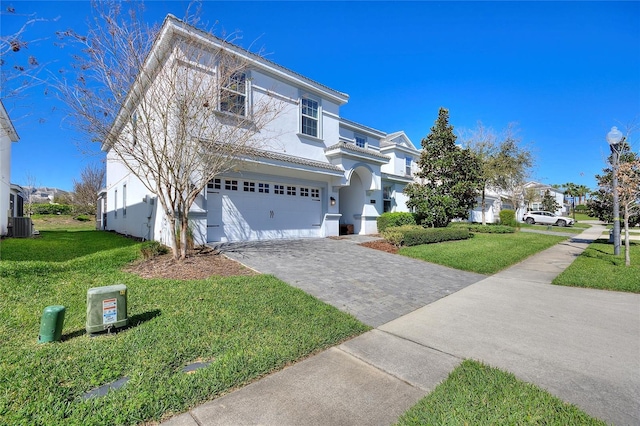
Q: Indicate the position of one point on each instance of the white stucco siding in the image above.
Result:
(5, 179)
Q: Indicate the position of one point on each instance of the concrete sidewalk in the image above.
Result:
(582, 345)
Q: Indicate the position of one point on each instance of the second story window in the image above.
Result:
(361, 141)
(309, 112)
(407, 164)
(233, 94)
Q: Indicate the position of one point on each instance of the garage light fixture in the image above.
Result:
(332, 201)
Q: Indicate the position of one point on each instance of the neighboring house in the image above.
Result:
(541, 189)
(324, 173)
(8, 136)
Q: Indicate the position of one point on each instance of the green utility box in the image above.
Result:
(51, 324)
(106, 308)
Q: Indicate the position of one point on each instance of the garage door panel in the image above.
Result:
(245, 215)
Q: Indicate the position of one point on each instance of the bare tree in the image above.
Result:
(629, 193)
(86, 189)
(28, 191)
(170, 104)
(19, 68)
(505, 163)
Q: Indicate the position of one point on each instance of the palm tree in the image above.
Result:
(582, 191)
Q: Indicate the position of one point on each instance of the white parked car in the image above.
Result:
(547, 218)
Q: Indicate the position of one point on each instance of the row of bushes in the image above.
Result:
(387, 220)
(414, 235)
(51, 208)
(66, 209)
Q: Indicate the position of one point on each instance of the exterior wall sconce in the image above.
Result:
(332, 201)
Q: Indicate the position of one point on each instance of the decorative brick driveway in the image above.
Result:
(373, 286)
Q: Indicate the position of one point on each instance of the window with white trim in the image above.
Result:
(263, 188)
(278, 189)
(407, 165)
(304, 192)
(361, 141)
(291, 190)
(249, 186)
(231, 185)
(233, 94)
(386, 198)
(309, 114)
(315, 193)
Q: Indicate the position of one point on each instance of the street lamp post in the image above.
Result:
(614, 137)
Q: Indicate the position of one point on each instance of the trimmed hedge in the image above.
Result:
(508, 217)
(417, 235)
(387, 220)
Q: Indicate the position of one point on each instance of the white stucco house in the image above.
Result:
(324, 171)
(9, 198)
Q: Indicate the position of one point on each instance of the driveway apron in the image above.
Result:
(374, 286)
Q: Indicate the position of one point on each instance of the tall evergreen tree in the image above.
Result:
(450, 177)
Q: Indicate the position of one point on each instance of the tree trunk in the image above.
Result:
(484, 205)
(627, 255)
(184, 231)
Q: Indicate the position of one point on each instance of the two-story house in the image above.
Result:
(10, 198)
(324, 171)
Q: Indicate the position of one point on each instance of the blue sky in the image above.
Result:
(564, 71)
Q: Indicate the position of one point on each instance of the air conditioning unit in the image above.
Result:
(22, 227)
(106, 308)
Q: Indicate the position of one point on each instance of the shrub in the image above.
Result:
(394, 237)
(151, 249)
(51, 209)
(83, 218)
(413, 235)
(508, 217)
(581, 208)
(386, 220)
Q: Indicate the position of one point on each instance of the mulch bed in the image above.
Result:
(199, 264)
(381, 245)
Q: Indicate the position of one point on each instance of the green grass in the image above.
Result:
(597, 267)
(577, 228)
(484, 253)
(49, 222)
(246, 327)
(584, 216)
(475, 394)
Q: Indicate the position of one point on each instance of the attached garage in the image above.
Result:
(256, 209)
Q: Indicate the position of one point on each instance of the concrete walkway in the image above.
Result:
(582, 345)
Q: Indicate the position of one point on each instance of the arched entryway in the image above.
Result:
(355, 204)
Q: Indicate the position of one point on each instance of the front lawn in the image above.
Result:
(475, 394)
(576, 228)
(597, 267)
(245, 327)
(484, 253)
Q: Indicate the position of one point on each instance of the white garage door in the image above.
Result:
(246, 210)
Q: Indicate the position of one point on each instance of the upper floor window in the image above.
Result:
(233, 94)
(361, 141)
(309, 117)
(407, 166)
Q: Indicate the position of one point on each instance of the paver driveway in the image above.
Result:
(374, 286)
